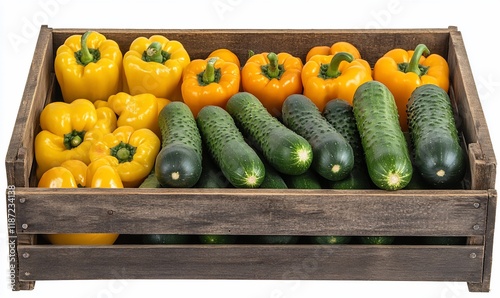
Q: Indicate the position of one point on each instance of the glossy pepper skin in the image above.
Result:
(155, 65)
(68, 130)
(209, 82)
(138, 111)
(272, 78)
(340, 46)
(73, 174)
(403, 71)
(226, 55)
(131, 152)
(326, 77)
(88, 66)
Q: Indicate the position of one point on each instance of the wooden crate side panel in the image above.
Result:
(274, 262)
(20, 154)
(248, 212)
(472, 121)
(199, 43)
(484, 285)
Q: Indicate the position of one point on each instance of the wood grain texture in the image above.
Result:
(275, 262)
(20, 154)
(233, 211)
(484, 285)
(473, 123)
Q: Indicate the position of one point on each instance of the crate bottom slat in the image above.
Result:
(253, 262)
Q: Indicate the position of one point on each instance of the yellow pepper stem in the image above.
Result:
(155, 53)
(73, 139)
(414, 65)
(272, 70)
(86, 55)
(332, 69)
(123, 152)
(210, 74)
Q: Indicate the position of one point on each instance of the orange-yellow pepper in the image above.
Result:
(68, 130)
(272, 78)
(226, 55)
(131, 152)
(341, 46)
(138, 111)
(209, 82)
(403, 71)
(155, 65)
(73, 174)
(326, 77)
(88, 66)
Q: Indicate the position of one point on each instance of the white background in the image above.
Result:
(20, 20)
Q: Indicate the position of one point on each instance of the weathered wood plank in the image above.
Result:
(473, 123)
(236, 211)
(20, 154)
(484, 285)
(275, 262)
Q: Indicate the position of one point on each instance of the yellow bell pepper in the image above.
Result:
(326, 77)
(131, 152)
(272, 78)
(209, 82)
(68, 129)
(88, 66)
(155, 65)
(73, 174)
(138, 111)
(403, 71)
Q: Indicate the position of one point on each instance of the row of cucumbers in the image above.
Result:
(248, 144)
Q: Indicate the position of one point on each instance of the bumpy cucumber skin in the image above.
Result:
(339, 114)
(386, 151)
(239, 163)
(438, 155)
(333, 157)
(279, 145)
(179, 162)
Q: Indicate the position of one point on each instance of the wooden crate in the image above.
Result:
(469, 213)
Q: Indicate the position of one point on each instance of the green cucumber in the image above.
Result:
(217, 239)
(377, 240)
(329, 239)
(272, 239)
(272, 179)
(339, 114)
(437, 153)
(179, 162)
(386, 151)
(239, 163)
(211, 174)
(166, 239)
(285, 150)
(150, 182)
(333, 157)
(308, 180)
